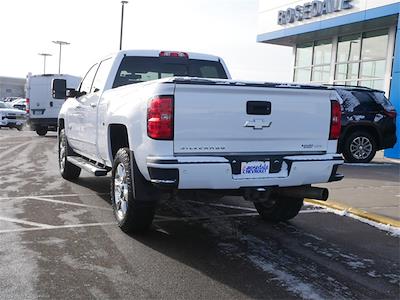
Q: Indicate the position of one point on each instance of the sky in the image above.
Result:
(227, 28)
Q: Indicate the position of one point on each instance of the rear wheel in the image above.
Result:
(20, 127)
(68, 170)
(133, 198)
(279, 208)
(41, 131)
(359, 147)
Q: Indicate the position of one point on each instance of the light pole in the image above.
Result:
(122, 23)
(44, 60)
(61, 43)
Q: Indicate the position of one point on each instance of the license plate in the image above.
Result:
(254, 169)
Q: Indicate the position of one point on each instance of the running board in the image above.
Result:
(87, 166)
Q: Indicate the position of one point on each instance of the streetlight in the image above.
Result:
(122, 22)
(61, 43)
(44, 60)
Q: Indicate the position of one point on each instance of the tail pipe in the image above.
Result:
(304, 192)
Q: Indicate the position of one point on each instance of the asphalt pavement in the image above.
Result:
(373, 187)
(59, 240)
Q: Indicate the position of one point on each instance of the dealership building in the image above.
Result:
(347, 42)
(12, 87)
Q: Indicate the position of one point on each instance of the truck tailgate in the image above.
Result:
(246, 119)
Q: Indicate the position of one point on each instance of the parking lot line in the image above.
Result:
(19, 221)
(68, 203)
(13, 149)
(52, 196)
(57, 227)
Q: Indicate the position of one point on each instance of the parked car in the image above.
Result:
(165, 122)
(368, 123)
(19, 103)
(11, 117)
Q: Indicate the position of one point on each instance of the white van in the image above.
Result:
(41, 108)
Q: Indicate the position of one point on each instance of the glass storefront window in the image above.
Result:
(367, 54)
(312, 62)
(321, 74)
(304, 55)
(302, 75)
(374, 45)
(353, 83)
(322, 52)
(373, 69)
(346, 71)
(373, 84)
(361, 60)
(349, 48)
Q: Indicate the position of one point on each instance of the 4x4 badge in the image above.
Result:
(258, 124)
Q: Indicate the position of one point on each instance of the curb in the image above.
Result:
(392, 160)
(355, 211)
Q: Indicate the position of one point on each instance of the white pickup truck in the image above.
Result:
(163, 122)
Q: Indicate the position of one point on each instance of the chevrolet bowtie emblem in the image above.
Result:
(258, 124)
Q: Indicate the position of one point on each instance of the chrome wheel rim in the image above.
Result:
(62, 156)
(361, 147)
(121, 192)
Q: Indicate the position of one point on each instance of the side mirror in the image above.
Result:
(59, 88)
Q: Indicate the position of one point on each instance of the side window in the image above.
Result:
(88, 80)
(101, 75)
(367, 103)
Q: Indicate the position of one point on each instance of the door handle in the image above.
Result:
(93, 105)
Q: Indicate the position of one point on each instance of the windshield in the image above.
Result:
(3, 105)
(138, 69)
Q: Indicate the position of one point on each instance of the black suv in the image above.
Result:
(368, 123)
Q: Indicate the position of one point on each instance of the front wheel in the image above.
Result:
(279, 208)
(20, 127)
(133, 198)
(359, 147)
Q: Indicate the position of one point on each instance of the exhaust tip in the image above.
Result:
(324, 194)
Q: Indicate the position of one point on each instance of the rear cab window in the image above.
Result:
(135, 69)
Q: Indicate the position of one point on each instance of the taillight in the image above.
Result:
(336, 120)
(391, 114)
(28, 102)
(160, 118)
(173, 54)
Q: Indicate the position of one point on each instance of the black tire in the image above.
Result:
(279, 208)
(363, 139)
(20, 128)
(68, 170)
(41, 131)
(133, 198)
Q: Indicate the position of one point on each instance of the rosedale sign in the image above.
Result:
(311, 10)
